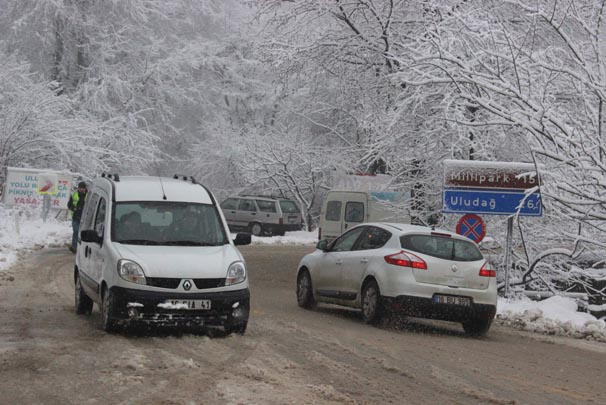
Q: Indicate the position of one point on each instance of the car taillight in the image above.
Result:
(319, 233)
(406, 259)
(486, 271)
(281, 221)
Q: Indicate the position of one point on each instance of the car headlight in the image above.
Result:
(131, 271)
(236, 273)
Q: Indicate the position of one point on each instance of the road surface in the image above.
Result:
(49, 355)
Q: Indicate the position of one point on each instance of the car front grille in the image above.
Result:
(163, 282)
(201, 283)
(204, 283)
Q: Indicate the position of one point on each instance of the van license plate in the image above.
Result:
(451, 300)
(191, 304)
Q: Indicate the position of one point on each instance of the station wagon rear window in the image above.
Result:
(442, 247)
(289, 207)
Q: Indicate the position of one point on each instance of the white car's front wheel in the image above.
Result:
(305, 296)
(372, 308)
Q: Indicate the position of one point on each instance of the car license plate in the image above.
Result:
(190, 304)
(451, 300)
(292, 220)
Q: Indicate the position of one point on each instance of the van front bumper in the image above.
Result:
(227, 308)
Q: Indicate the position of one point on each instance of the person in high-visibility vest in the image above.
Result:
(76, 205)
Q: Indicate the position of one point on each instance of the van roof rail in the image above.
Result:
(185, 178)
(114, 177)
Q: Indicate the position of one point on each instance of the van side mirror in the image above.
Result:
(242, 239)
(322, 245)
(90, 236)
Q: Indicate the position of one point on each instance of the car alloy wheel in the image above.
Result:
(371, 303)
(305, 297)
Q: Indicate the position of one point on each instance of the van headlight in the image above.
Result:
(236, 273)
(131, 271)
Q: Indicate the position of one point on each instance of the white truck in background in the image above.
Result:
(343, 209)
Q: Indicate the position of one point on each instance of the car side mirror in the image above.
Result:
(322, 245)
(90, 236)
(242, 239)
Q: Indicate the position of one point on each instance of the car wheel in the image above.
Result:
(84, 305)
(238, 328)
(305, 295)
(477, 326)
(372, 308)
(256, 229)
(107, 310)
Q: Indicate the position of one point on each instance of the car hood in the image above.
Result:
(181, 261)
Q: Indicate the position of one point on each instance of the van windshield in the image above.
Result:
(289, 207)
(167, 223)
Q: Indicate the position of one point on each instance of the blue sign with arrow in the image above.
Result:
(495, 202)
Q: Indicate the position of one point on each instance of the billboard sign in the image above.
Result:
(29, 186)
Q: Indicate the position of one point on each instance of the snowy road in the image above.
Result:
(289, 355)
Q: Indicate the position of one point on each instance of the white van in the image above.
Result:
(157, 251)
(343, 209)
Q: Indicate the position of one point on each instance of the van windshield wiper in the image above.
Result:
(188, 243)
(138, 242)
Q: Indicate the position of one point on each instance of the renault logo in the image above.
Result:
(186, 285)
(454, 268)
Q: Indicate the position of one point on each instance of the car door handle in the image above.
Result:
(253, 213)
(339, 261)
(364, 261)
(233, 212)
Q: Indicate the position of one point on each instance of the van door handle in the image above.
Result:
(364, 260)
(339, 261)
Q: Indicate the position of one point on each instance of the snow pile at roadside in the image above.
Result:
(290, 238)
(18, 232)
(553, 316)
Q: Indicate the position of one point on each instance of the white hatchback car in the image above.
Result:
(157, 251)
(409, 269)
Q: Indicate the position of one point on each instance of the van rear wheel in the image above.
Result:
(256, 229)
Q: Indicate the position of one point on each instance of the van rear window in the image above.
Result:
(289, 207)
(442, 247)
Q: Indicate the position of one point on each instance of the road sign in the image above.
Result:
(493, 202)
(489, 175)
(472, 226)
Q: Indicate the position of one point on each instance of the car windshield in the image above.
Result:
(442, 247)
(167, 223)
(289, 207)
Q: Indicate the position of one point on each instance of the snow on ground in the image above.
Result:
(290, 238)
(26, 230)
(552, 316)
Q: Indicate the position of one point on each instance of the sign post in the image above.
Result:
(491, 188)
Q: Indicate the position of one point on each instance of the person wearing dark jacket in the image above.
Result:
(76, 205)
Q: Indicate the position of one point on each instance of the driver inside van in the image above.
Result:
(130, 226)
(186, 226)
